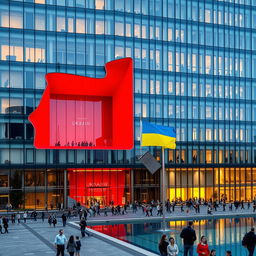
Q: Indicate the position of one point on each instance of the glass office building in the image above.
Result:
(194, 69)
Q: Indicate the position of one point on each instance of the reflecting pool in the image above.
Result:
(222, 234)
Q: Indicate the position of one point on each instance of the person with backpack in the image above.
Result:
(249, 241)
(78, 246)
(188, 235)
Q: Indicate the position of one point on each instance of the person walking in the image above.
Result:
(213, 252)
(43, 216)
(50, 220)
(162, 246)
(78, 246)
(71, 246)
(172, 248)
(64, 219)
(59, 242)
(54, 221)
(18, 217)
(228, 253)
(83, 226)
(188, 235)
(5, 225)
(202, 247)
(249, 241)
(25, 215)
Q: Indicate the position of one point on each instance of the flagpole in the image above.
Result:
(163, 190)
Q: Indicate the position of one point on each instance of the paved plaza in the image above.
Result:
(36, 237)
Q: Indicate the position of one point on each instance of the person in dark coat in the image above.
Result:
(188, 235)
(83, 226)
(162, 246)
(249, 241)
(64, 219)
(5, 225)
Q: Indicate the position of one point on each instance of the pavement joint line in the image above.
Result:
(40, 237)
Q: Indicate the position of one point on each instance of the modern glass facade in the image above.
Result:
(195, 69)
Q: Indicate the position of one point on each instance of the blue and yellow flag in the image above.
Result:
(158, 135)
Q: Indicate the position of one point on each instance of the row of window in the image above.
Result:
(208, 88)
(183, 60)
(195, 156)
(195, 110)
(180, 9)
(120, 26)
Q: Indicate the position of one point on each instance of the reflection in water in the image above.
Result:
(222, 234)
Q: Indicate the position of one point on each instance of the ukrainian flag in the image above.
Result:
(158, 135)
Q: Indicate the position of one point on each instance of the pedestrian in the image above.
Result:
(203, 248)
(50, 220)
(105, 211)
(54, 221)
(188, 235)
(249, 241)
(78, 246)
(43, 215)
(64, 219)
(213, 252)
(25, 215)
(71, 246)
(59, 242)
(83, 226)
(172, 248)
(162, 246)
(228, 253)
(1, 225)
(18, 217)
(5, 224)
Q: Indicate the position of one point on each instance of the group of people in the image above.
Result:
(188, 235)
(73, 244)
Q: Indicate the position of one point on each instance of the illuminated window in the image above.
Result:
(194, 134)
(170, 61)
(144, 31)
(208, 134)
(194, 89)
(99, 27)
(99, 4)
(220, 135)
(207, 16)
(39, 1)
(13, 53)
(208, 156)
(170, 38)
(137, 30)
(144, 110)
(194, 66)
(152, 88)
(170, 87)
(208, 64)
(157, 87)
(80, 25)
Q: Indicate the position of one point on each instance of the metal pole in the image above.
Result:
(163, 190)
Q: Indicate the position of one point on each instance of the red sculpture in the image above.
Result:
(78, 112)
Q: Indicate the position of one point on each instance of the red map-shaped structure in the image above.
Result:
(78, 112)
